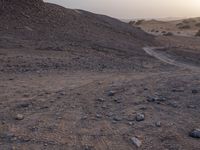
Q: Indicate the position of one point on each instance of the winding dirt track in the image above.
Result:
(168, 59)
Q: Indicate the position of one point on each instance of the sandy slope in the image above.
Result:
(185, 27)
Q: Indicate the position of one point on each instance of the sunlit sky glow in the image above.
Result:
(128, 9)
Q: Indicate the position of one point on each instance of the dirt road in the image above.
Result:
(168, 59)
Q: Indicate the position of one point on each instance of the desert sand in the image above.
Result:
(184, 27)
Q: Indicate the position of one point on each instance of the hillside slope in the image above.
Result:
(42, 25)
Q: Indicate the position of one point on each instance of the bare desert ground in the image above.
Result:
(94, 83)
(184, 27)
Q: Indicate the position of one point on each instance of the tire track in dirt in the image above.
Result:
(168, 59)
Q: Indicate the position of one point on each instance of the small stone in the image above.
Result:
(62, 93)
(194, 91)
(26, 95)
(191, 106)
(110, 114)
(52, 101)
(195, 133)
(143, 108)
(73, 106)
(177, 90)
(84, 117)
(150, 99)
(156, 99)
(101, 100)
(104, 107)
(117, 118)
(86, 147)
(131, 123)
(111, 93)
(98, 116)
(173, 104)
(136, 141)
(117, 101)
(140, 117)
(19, 117)
(158, 124)
(44, 107)
(24, 105)
(114, 122)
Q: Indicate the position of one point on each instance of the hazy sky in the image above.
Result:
(126, 9)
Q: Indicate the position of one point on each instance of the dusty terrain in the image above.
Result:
(183, 27)
(95, 90)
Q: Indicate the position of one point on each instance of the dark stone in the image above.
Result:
(140, 117)
(117, 118)
(195, 133)
(101, 100)
(111, 93)
(117, 101)
(19, 117)
(158, 124)
(194, 91)
(23, 105)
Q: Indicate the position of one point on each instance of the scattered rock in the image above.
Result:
(131, 123)
(19, 117)
(60, 117)
(26, 95)
(140, 117)
(114, 122)
(143, 108)
(28, 28)
(98, 116)
(150, 99)
(136, 141)
(110, 114)
(117, 101)
(194, 91)
(44, 107)
(84, 117)
(158, 124)
(117, 118)
(86, 147)
(177, 90)
(52, 101)
(191, 106)
(195, 133)
(173, 104)
(101, 100)
(111, 93)
(104, 107)
(156, 99)
(145, 89)
(23, 105)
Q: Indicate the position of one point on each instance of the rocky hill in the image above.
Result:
(38, 25)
